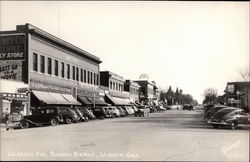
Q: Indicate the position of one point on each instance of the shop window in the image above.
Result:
(56, 68)
(73, 73)
(77, 74)
(34, 61)
(49, 65)
(42, 60)
(81, 75)
(85, 77)
(68, 71)
(62, 69)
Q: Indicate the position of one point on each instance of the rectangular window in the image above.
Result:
(88, 77)
(85, 76)
(49, 65)
(42, 64)
(81, 75)
(34, 61)
(68, 71)
(91, 78)
(94, 79)
(97, 79)
(73, 73)
(56, 68)
(77, 74)
(62, 69)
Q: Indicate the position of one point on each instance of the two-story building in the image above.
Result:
(133, 88)
(114, 91)
(56, 72)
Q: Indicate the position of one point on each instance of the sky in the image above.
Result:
(189, 45)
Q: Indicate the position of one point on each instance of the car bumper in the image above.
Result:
(217, 123)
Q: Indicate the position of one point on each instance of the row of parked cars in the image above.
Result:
(221, 115)
(55, 115)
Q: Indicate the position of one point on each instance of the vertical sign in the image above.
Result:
(12, 55)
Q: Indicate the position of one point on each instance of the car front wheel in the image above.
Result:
(233, 125)
(54, 122)
(68, 121)
(24, 124)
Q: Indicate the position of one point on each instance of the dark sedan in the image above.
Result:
(230, 116)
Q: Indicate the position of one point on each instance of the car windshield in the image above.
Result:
(223, 112)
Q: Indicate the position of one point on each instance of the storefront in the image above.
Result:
(55, 71)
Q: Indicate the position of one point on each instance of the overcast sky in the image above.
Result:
(189, 45)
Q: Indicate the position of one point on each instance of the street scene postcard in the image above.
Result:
(124, 81)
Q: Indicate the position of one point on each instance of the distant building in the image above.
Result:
(147, 93)
(238, 94)
(114, 91)
(133, 88)
(56, 72)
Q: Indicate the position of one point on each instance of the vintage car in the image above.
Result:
(121, 111)
(101, 112)
(49, 115)
(82, 117)
(230, 116)
(212, 111)
(188, 107)
(142, 111)
(87, 112)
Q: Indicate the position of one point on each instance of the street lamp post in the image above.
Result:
(238, 98)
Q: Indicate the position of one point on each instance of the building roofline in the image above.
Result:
(41, 33)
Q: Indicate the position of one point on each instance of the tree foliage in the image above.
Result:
(177, 97)
(210, 95)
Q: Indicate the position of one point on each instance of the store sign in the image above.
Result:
(11, 70)
(12, 47)
(49, 87)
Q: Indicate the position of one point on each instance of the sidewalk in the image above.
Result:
(14, 125)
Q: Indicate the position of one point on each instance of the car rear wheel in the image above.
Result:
(54, 122)
(24, 124)
(68, 121)
(234, 125)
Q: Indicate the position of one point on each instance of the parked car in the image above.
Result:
(128, 110)
(230, 116)
(49, 115)
(113, 111)
(152, 109)
(212, 111)
(82, 117)
(101, 112)
(87, 112)
(121, 111)
(160, 108)
(142, 111)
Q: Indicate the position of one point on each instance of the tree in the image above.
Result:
(210, 95)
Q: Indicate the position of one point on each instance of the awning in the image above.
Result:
(84, 100)
(118, 101)
(71, 99)
(59, 98)
(45, 97)
(98, 101)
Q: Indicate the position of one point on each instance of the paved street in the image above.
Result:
(174, 135)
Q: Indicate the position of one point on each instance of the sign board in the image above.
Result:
(49, 88)
(11, 70)
(12, 47)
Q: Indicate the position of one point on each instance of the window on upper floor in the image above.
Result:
(73, 73)
(88, 77)
(77, 74)
(85, 76)
(68, 71)
(62, 69)
(56, 68)
(42, 64)
(81, 75)
(91, 78)
(49, 66)
(35, 61)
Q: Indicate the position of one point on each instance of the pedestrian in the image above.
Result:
(7, 118)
